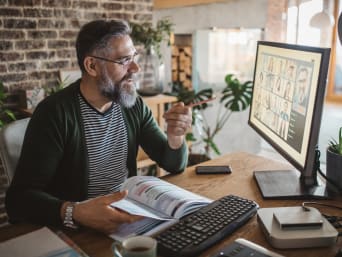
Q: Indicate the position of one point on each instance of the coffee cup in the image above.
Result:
(137, 246)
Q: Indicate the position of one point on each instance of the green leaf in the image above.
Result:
(236, 95)
(5, 114)
(188, 96)
(190, 137)
(211, 143)
(144, 34)
(336, 146)
(10, 114)
(2, 92)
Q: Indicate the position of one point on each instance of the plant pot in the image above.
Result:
(334, 167)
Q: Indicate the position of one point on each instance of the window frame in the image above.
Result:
(331, 96)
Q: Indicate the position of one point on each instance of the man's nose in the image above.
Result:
(134, 67)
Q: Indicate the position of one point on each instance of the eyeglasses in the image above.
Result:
(125, 61)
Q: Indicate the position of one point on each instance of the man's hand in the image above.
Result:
(178, 119)
(98, 214)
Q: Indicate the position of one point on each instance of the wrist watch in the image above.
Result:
(68, 216)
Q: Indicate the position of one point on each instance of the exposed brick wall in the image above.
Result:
(37, 39)
(38, 36)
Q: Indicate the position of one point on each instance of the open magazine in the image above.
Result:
(160, 202)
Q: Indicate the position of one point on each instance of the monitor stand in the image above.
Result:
(286, 184)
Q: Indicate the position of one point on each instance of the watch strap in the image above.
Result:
(68, 216)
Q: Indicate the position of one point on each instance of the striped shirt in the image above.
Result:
(107, 146)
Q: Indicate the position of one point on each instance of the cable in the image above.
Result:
(322, 204)
(333, 220)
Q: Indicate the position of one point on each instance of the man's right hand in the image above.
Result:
(98, 214)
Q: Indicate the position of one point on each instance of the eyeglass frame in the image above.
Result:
(117, 61)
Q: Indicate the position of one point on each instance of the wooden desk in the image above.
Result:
(240, 182)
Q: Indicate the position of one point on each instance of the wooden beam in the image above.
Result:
(163, 4)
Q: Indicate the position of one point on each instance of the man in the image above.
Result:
(81, 143)
(284, 119)
(302, 83)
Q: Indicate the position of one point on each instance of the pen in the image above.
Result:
(201, 102)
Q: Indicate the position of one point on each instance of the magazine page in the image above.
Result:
(136, 208)
(146, 226)
(163, 196)
(39, 243)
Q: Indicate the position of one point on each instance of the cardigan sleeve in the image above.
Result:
(29, 197)
(154, 142)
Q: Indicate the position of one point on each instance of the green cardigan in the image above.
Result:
(53, 166)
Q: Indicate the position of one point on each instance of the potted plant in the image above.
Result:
(189, 96)
(234, 97)
(149, 59)
(151, 38)
(58, 87)
(6, 115)
(334, 161)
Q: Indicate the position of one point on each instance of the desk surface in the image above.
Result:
(240, 182)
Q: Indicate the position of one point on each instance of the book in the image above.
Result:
(41, 243)
(159, 202)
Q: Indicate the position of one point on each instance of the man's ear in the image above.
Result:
(90, 66)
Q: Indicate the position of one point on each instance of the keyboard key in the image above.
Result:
(198, 231)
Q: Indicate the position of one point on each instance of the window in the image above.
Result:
(219, 52)
(300, 31)
(334, 92)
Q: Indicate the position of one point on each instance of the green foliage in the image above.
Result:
(60, 85)
(189, 96)
(235, 96)
(6, 115)
(144, 34)
(336, 146)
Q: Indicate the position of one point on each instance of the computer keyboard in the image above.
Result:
(201, 229)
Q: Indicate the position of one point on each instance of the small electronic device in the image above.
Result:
(242, 248)
(299, 218)
(286, 109)
(225, 169)
(300, 237)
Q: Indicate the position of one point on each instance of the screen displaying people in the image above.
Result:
(286, 109)
(281, 103)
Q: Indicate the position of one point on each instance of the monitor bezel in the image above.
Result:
(308, 172)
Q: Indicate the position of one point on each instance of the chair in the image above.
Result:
(11, 140)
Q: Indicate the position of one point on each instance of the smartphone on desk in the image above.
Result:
(213, 169)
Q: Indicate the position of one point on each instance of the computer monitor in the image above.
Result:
(286, 109)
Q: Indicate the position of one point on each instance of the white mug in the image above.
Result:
(137, 246)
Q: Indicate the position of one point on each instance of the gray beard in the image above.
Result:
(121, 92)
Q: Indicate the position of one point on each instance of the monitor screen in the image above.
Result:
(286, 108)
